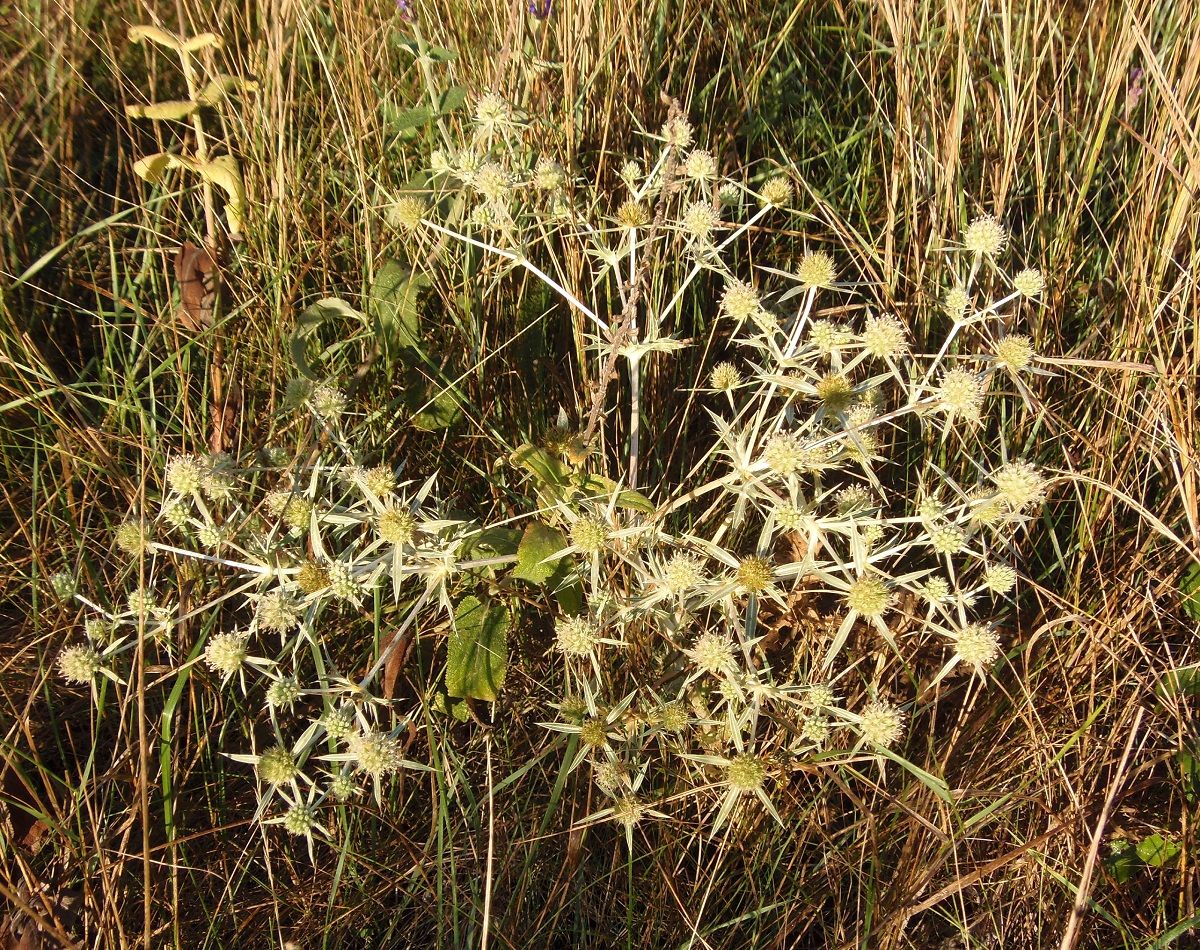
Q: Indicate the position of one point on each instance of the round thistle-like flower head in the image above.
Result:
(174, 512)
(786, 453)
(185, 474)
(852, 499)
(631, 174)
(793, 518)
(342, 787)
(141, 602)
(946, 538)
(821, 696)
(99, 631)
(885, 337)
(777, 192)
(740, 301)
(729, 194)
(827, 336)
(682, 573)
(999, 578)
(677, 132)
(327, 401)
(589, 534)
(956, 302)
(226, 652)
(700, 165)
(283, 693)
(1014, 352)
(380, 480)
(985, 235)
(293, 510)
(312, 577)
(277, 766)
(673, 717)
(754, 575)
(633, 214)
(80, 663)
(713, 653)
(1029, 282)
(342, 584)
(396, 526)
(406, 214)
(746, 772)
(211, 535)
(593, 734)
(492, 113)
(987, 508)
(277, 612)
(611, 776)
(131, 538)
(628, 811)
(548, 175)
(299, 819)
(375, 753)
(835, 391)
(575, 636)
(1020, 485)
(961, 394)
(492, 181)
(700, 220)
(816, 270)
(339, 723)
(882, 724)
(936, 590)
(725, 377)
(868, 596)
(977, 646)
(816, 729)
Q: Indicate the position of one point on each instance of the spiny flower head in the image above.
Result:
(682, 572)
(777, 191)
(312, 577)
(277, 765)
(283, 693)
(575, 636)
(740, 301)
(827, 336)
(492, 181)
(1014, 352)
(956, 302)
(130, 537)
(793, 518)
(396, 526)
(746, 772)
(987, 508)
(1029, 282)
(185, 474)
(593, 734)
(589, 534)
(713, 653)
(339, 723)
(885, 337)
(977, 646)
(816, 729)
(174, 511)
(492, 113)
(946, 538)
(342, 787)
(1021, 485)
(700, 220)
(700, 165)
(211, 535)
(985, 235)
(961, 394)
(633, 214)
(1000, 578)
(610, 776)
(292, 509)
(375, 753)
(786, 454)
(882, 724)
(141, 602)
(327, 401)
(99, 631)
(672, 717)
(548, 175)
(628, 811)
(380, 480)
(868, 596)
(80, 663)
(936, 590)
(677, 132)
(406, 213)
(342, 583)
(725, 377)
(277, 612)
(299, 819)
(226, 652)
(835, 391)
(754, 574)
(816, 270)
(631, 173)
(821, 696)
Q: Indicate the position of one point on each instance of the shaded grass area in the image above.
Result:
(899, 121)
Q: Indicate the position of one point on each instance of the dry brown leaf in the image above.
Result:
(196, 273)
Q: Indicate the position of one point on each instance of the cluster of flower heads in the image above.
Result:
(667, 679)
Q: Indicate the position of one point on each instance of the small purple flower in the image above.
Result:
(405, 9)
(540, 9)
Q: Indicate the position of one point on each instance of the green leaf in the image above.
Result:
(1157, 851)
(453, 98)
(1122, 861)
(626, 498)
(1189, 769)
(311, 320)
(1189, 588)
(539, 542)
(1184, 681)
(222, 87)
(393, 302)
(550, 473)
(477, 655)
(437, 412)
(172, 109)
(405, 120)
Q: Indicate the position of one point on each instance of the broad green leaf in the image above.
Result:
(626, 498)
(549, 471)
(222, 87)
(453, 98)
(539, 542)
(1122, 862)
(443, 704)
(1189, 769)
(393, 302)
(174, 109)
(1189, 588)
(173, 41)
(477, 655)
(405, 120)
(153, 167)
(1157, 851)
(225, 173)
(436, 53)
(307, 324)
(1184, 681)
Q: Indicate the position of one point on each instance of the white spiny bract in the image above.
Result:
(852, 516)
